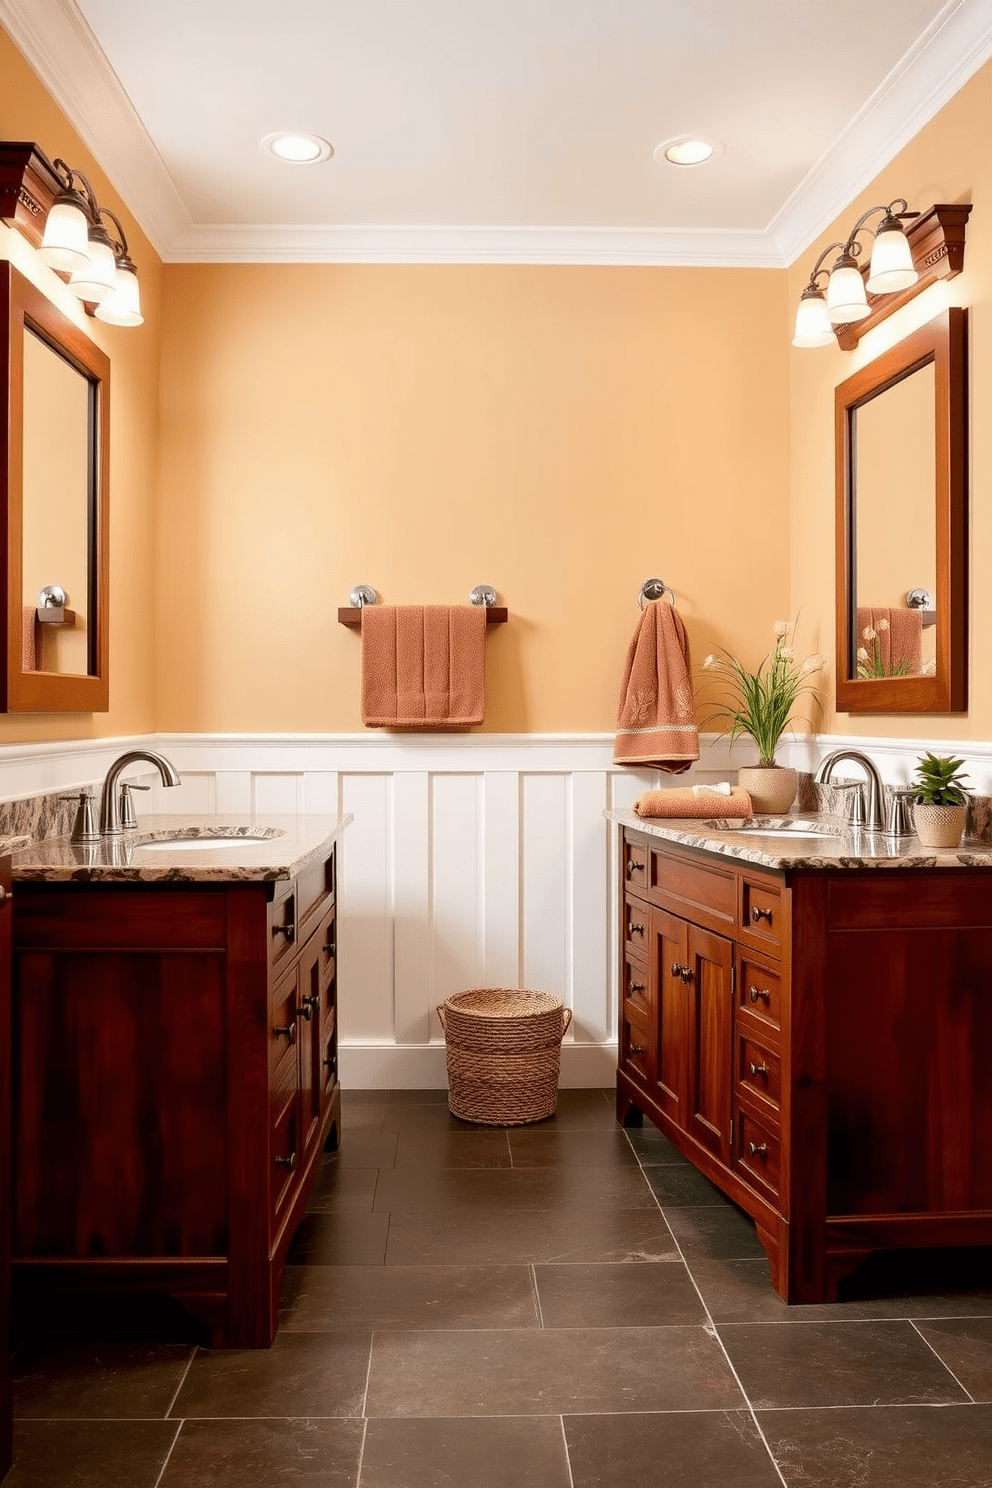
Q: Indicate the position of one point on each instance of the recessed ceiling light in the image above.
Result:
(687, 150)
(297, 149)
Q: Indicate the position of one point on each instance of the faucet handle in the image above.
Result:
(84, 828)
(855, 807)
(128, 818)
(898, 822)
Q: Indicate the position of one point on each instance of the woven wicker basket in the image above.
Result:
(504, 1052)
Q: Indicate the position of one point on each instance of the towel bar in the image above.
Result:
(483, 595)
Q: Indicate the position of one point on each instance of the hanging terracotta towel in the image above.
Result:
(900, 638)
(30, 639)
(655, 725)
(423, 666)
(686, 803)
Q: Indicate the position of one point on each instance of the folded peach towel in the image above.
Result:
(899, 638)
(30, 639)
(423, 666)
(685, 802)
(655, 725)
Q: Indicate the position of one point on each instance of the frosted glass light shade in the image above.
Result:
(95, 282)
(891, 263)
(813, 325)
(846, 300)
(65, 245)
(122, 305)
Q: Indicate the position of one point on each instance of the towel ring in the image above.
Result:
(654, 589)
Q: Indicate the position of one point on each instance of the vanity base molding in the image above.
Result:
(817, 1043)
(175, 1088)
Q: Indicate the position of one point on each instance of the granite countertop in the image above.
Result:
(249, 849)
(842, 847)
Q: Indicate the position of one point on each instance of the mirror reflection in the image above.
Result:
(895, 530)
(57, 506)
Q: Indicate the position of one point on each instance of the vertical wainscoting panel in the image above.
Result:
(411, 905)
(366, 888)
(457, 892)
(501, 876)
(545, 883)
(593, 1006)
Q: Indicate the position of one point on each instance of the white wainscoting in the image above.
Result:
(472, 860)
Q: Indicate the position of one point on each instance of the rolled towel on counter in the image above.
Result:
(686, 803)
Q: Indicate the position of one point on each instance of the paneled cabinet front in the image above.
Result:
(171, 1102)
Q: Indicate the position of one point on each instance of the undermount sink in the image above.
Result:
(186, 839)
(790, 827)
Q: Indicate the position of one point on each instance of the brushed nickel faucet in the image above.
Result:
(112, 822)
(860, 814)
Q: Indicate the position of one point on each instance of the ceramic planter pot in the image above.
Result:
(939, 826)
(772, 788)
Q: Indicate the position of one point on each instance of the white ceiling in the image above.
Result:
(496, 130)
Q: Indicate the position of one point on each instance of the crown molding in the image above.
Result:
(346, 243)
(950, 51)
(60, 47)
(58, 44)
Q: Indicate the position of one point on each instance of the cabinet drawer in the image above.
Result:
(283, 1028)
(759, 1074)
(284, 1147)
(283, 928)
(635, 986)
(635, 864)
(757, 1151)
(635, 1045)
(759, 994)
(706, 896)
(635, 925)
(762, 913)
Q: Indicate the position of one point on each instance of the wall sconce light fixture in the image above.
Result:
(903, 262)
(54, 206)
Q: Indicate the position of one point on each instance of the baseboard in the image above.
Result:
(422, 1066)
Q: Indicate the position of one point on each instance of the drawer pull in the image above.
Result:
(633, 929)
(757, 1149)
(757, 1069)
(289, 930)
(310, 1005)
(760, 914)
(755, 992)
(305, 1010)
(287, 1162)
(329, 947)
(684, 973)
(637, 986)
(330, 1064)
(637, 1048)
(286, 1031)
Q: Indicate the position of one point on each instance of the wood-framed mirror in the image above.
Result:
(902, 503)
(55, 385)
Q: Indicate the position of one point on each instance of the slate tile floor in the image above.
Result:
(558, 1306)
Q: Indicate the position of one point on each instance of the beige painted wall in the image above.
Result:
(947, 162)
(559, 433)
(27, 112)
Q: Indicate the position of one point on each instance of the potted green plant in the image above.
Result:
(940, 803)
(761, 708)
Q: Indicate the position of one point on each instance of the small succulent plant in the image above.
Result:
(938, 781)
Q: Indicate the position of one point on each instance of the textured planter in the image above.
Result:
(939, 826)
(772, 788)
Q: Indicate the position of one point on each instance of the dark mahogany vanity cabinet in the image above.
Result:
(175, 1057)
(818, 1043)
(5, 1066)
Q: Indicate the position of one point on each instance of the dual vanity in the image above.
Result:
(175, 1058)
(806, 1013)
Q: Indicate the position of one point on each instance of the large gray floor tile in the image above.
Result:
(741, 1292)
(461, 1190)
(327, 1297)
(542, 1147)
(302, 1374)
(915, 1447)
(345, 1238)
(528, 1236)
(965, 1346)
(89, 1454)
(452, 1149)
(713, 1233)
(835, 1364)
(680, 1449)
(557, 1371)
(479, 1452)
(256, 1454)
(617, 1296)
(93, 1379)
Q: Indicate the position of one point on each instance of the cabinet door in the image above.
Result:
(668, 967)
(710, 1008)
